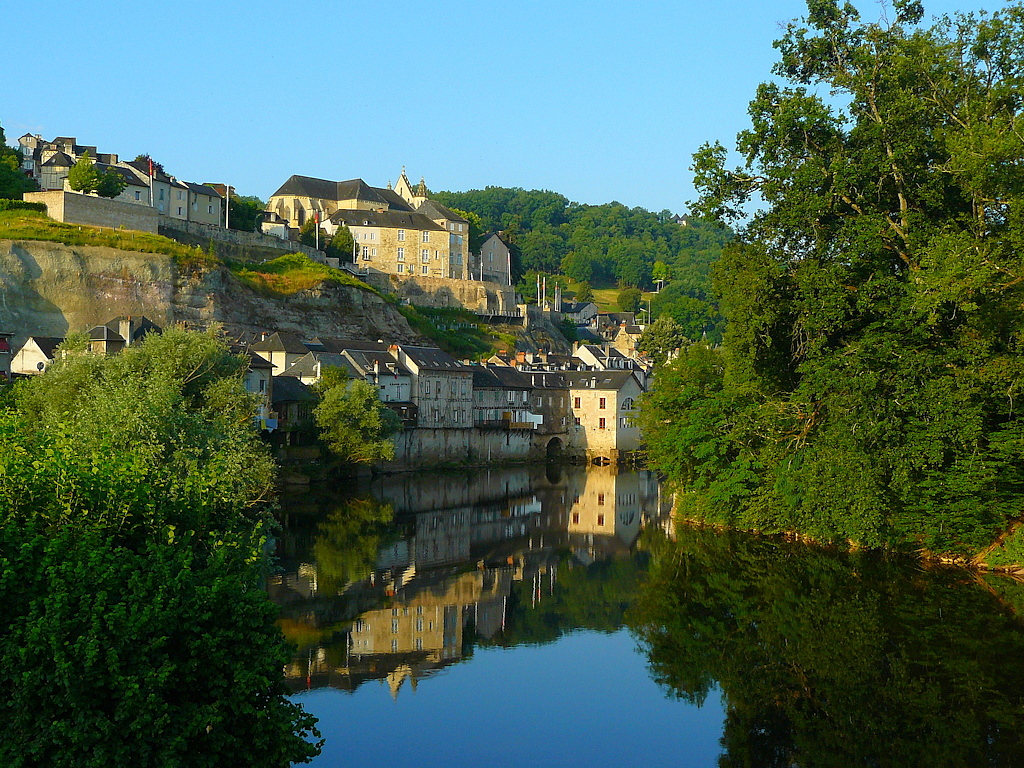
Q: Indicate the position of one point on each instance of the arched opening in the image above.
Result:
(554, 448)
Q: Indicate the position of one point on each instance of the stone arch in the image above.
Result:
(554, 448)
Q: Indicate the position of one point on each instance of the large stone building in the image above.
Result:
(399, 230)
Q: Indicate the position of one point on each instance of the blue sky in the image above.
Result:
(596, 100)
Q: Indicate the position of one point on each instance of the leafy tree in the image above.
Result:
(146, 159)
(661, 337)
(872, 305)
(584, 292)
(132, 529)
(308, 234)
(629, 299)
(568, 329)
(342, 244)
(476, 229)
(110, 183)
(13, 183)
(244, 212)
(83, 176)
(353, 422)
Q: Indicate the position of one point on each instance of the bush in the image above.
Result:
(21, 205)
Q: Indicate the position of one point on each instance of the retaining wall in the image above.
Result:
(76, 208)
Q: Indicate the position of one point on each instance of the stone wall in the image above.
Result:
(442, 292)
(424, 447)
(246, 244)
(76, 208)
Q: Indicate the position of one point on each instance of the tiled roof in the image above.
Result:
(281, 342)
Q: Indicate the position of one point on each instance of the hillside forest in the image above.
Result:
(607, 245)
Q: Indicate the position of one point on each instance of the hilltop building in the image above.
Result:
(398, 231)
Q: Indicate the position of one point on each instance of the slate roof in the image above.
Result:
(47, 344)
(433, 359)
(281, 341)
(306, 366)
(142, 166)
(434, 210)
(511, 378)
(395, 200)
(202, 189)
(611, 380)
(547, 380)
(340, 345)
(367, 360)
(484, 378)
(59, 159)
(128, 175)
(289, 389)
(103, 333)
(386, 219)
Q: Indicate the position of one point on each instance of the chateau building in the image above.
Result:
(399, 230)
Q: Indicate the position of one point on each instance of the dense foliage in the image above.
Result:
(868, 382)
(825, 659)
(132, 526)
(86, 178)
(354, 424)
(603, 245)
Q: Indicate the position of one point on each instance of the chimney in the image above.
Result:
(521, 357)
(124, 327)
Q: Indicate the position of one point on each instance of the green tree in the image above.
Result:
(583, 292)
(83, 176)
(308, 234)
(13, 183)
(132, 532)
(476, 229)
(342, 244)
(873, 310)
(661, 337)
(244, 212)
(355, 425)
(629, 299)
(110, 183)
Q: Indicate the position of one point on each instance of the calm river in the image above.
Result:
(555, 616)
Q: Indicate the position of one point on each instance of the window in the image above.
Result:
(600, 520)
(575, 518)
(603, 402)
(181, 211)
(600, 499)
(401, 254)
(161, 194)
(373, 235)
(401, 269)
(366, 253)
(622, 422)
(394, 626)
(401, 235)
(179, 194)
(576, 404)
(394, 646)
(209, 209)
(600, 423)
(419, 643)
(424, 269)
(426, 237)
(426, 386)
(138, 195)
(577, 421)
(627, 404)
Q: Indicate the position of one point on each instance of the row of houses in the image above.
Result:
(583, 404)
(146, 183)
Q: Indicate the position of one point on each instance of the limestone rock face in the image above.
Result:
(52, 289)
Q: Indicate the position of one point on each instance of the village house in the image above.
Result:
(35, 355)
(501, 399)
(113, 336)
(442, 387)
(494, 264)
(602, 410)
(281, 349)
(50, 162)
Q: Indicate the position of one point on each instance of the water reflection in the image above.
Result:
(409, 573)
(832, 659)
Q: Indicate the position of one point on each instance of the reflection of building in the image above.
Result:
(609, 503)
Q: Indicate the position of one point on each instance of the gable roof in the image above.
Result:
(311, 365)
(202, 189)
(290, 389)
(59, 159)
(46, 344)
(367, 361)
(387, 219)
(282, 341)
(434, 359)
(341, 345)
(434, 210)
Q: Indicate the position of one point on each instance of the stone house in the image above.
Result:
(502, 398)
(494, 263)
(281, 349)
(602, 412)
(442, 387)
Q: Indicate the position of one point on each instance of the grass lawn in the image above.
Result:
(607, 299)
(32, 225)
(290, 274)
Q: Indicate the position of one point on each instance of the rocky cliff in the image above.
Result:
(51, 289)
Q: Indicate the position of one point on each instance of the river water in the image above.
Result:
(556, 616)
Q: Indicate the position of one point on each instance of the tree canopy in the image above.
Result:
(353, 422)
(133, 521)
(867, 386)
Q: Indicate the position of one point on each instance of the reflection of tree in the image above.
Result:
(583, 597)
(833, 660)
(348, 541)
